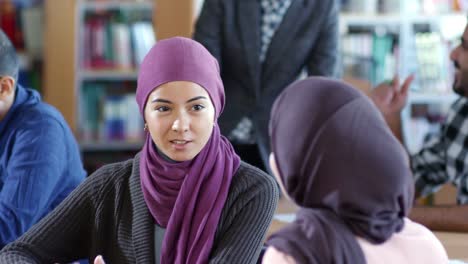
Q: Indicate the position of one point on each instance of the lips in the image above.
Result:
(180, 144)
(180, 141)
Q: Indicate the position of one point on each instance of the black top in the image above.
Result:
(108, 216)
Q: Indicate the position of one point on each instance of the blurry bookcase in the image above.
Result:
(22, 22)
(93, 52)
(406, 37)
(376, 46)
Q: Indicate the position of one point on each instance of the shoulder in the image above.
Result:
(251, 179)
(110, 179)
(460, 106)
(423, 241)
(251, 186)
(40, 116)
(413, 244)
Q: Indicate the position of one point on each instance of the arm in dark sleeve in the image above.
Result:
(323, 58)
(64, 235)
(32, 174)
(208, 28)
(248, 221)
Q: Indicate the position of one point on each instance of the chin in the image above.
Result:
(181, 158)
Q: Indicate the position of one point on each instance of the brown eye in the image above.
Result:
(162, 109)
(198, 107)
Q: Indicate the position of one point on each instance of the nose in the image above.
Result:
(454, 53)
(181, 123)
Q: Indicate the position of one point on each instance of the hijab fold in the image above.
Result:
(185, 197)
(343, 167)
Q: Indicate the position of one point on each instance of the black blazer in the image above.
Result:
(230, 30)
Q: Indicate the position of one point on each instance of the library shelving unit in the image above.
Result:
(377, 46)
(21, 21)
(408, 44)
(113, 39)
(92, 55)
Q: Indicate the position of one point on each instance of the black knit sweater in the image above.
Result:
(107, 215)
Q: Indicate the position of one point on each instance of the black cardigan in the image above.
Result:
(107, 215)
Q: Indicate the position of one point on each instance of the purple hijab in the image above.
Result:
(341, 164)
(187, 197)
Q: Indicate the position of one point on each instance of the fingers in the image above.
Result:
(396, 83)
(99, 260)
(406, 84)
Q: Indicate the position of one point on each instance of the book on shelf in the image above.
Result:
(142, 39)
(369, 56)
(109, 113)
(21, 21)
(32, 26)
(10, 23)
(433, 72)
(115, 40)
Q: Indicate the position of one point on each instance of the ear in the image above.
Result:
(273, 167)
(7, 87)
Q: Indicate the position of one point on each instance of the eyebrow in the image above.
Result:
(196, 98)
(169, 102)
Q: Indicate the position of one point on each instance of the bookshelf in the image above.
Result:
(408, 42)
(415, 29)
(22, 22)
(113, 39)
(92, 80)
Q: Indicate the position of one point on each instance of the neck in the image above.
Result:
(7, 98)
(5, 107)
(165, 157)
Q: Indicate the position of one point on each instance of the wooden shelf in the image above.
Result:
(108, 75)
(431, 98)
(107, 5)
(369, 19)
(395, 18)
(100, 146)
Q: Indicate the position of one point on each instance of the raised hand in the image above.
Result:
(390, 98)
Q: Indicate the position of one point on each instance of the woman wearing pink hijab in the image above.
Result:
(185, 198)
(339, 162)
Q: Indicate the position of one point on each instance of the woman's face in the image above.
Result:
(180, 119)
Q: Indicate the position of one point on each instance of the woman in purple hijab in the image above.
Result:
(185, 198)
(338, 161)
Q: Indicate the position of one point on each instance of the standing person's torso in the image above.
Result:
(250, 85)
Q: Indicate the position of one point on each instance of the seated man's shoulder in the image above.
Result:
(39, 114)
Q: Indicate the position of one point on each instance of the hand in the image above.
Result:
(391, 98)
(99, 260)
